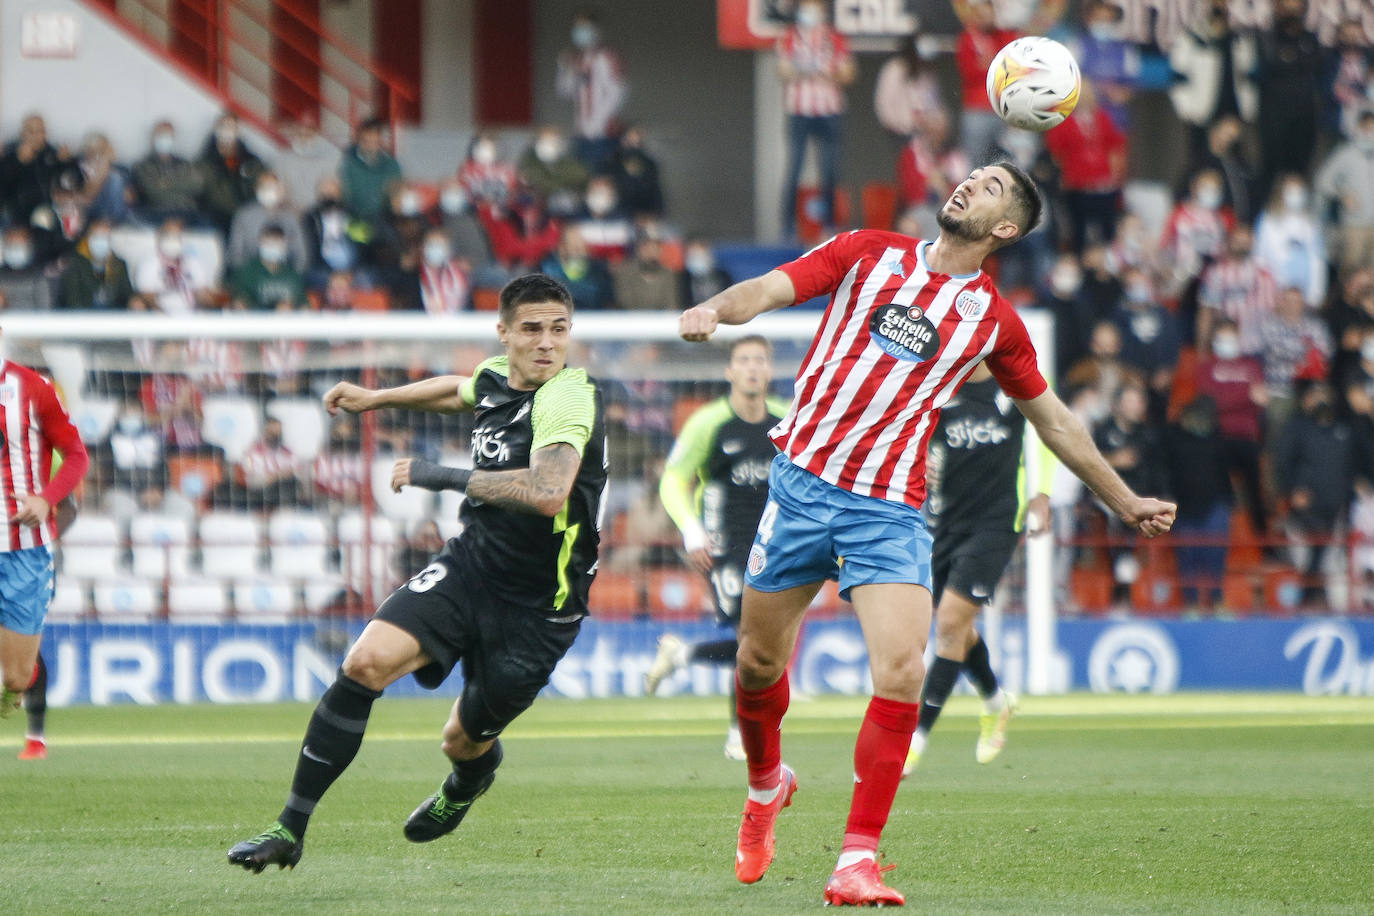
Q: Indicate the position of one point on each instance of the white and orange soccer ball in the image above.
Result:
(1033, 83)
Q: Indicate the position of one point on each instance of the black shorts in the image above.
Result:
(507, 652)
(971, 562)
(727, 585)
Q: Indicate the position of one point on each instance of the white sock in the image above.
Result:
(853, 858)
(918, 741)
(995, 702)
(766, 796)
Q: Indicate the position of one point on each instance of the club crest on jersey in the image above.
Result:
(8, 393)
(971, 306)
(904, 332)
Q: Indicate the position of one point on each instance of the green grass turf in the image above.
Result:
(1187, 804)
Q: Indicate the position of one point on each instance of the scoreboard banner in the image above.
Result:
(152, 663)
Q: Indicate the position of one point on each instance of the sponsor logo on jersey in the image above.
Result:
(750, 473)
(490, 445)
(731, 446)
(904, 332)
(758, 559)
(970, 433)
(971, 306)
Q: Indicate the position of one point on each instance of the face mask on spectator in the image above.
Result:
(163, 143)
(1226, 346)
(169, 246)
(484, 153)
(1365, 141)
(1102, 31)
(131, 423)
(1209, 197)
(600, 202)
(698, 263)
(436, 254)
(409, 204)
(18, 255)
(1367, 350)
(272, 252)
(453, 200)
(1065, 281)
(99, 246)
(333, 222)
(269, 196)
(1295, 198)
(1138, 292)
(584, 36)
(808, 17)
(548, 149)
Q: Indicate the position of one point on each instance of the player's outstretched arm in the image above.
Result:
(1062, 432)
(737, 304)
(441, 394)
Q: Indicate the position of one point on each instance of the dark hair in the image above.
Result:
(372, 124)
(752, 339)
(531, 288)
(1026, 205)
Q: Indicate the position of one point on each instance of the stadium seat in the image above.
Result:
(298, 545)
(351, 549)
(370, 300)
(1092, 588)
(302, 425)
(194, 477)
(264, 599)
(71, 600)
(230, 544)
(93, 548)
(322, 593)
(878, 201)
(126, 599)
(486, 300)
(615, 596)
(196, 598)
(160, 545)
(232, 423)
(409, 505)
(94, 418)
(677, 594)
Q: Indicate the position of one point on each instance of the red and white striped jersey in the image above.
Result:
(816, 56)
(593, 80)
(895, 343)
(33, 422)
(1242, 290)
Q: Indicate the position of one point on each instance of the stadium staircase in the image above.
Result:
(266, 60)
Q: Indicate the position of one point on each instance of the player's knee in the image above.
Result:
(757, 665)
(367, 668)
(17, 680)
(899, 676)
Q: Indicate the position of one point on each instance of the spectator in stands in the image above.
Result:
(1131, 446)
(586, 277)
(906, 97)
(60, 224)
(24, 285)
(265, 474)
(1345, 186)
(1150, 338)
(1132, 246)
(367, 173)
(308, 159)
(93, 276)
(1101, 286)
(334, 239)
(338, 292)
(438, 284)
(267, 209)
(1215, 65)
(1288, 76)
(487, 178)
(1316, 460)
(136, 449)
(1090, 151)
(1356, 382)
(1345, 75)
(1288, 240)
(1225, 155)
(173, 403)
(1236, 287)
(168, 186)
(421, 544)
(28, 169)
(1102, 369)
(106, 186)
(338, 471)
(1196, 232)
(455, 215)
(1235, 383)
(921, 168)
(1197, 477)
(1351, 318)
(1074, 315)
(521, 234)
(1106, 58)
(269, 281)
(591, 75)
(1293, 343)
(636, 176)
(604, 222)
(974, 50)
(701, 276)
(173, 279)
(815, 65)
(396, 247)
(231, 172)
(644, 282)
(552, 172)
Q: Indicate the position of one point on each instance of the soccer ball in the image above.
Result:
(1033, 83)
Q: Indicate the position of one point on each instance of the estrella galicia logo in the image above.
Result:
(904, 332)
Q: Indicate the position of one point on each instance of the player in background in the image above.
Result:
(506, 597)
(33, 426)
(977, 499)
(36, 694)
(714, 487)
(907, 322)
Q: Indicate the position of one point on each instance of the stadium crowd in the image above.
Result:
(1218, 338)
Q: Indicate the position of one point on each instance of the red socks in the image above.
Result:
(879, 754)
(760, 716)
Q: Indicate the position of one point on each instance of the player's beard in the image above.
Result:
(968, 229)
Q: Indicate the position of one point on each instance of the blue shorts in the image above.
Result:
(812, 530)
(26, 587)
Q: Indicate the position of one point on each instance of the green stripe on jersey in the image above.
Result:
(498, 364)
(564, 411)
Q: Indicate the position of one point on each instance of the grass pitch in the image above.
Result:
(1186, 804)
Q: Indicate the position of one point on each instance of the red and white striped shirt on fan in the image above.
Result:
(895, 343)
(816, 56)
(33, 422)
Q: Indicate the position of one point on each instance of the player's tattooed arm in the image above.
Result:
(541, 489)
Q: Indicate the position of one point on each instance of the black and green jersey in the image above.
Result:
(722, 461)
(533, 561)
